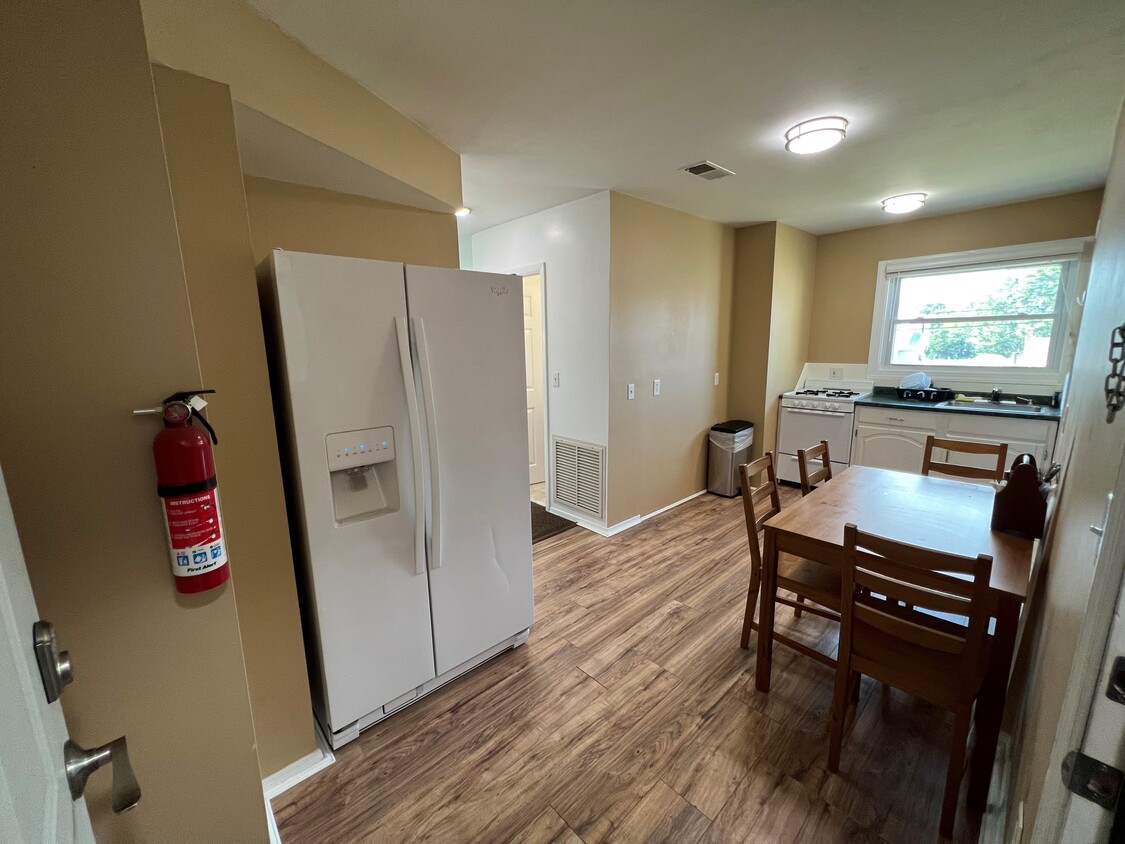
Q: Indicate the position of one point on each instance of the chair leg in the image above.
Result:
(751, 604)
(856, 676)
(839, 714)
(955, 772)
(797, 610)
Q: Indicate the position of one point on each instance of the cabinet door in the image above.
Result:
(889, 448)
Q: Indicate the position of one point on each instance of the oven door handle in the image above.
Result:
(817, 412)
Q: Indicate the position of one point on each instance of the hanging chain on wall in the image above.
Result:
(1115, 381)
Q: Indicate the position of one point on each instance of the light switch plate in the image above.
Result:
(632, 392)
(836, 373)
(554, 379)
(716, 379)
(656, 387)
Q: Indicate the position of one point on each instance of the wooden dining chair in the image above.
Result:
(998, 450)
(810, 581)
(809, 480)
(931, 657)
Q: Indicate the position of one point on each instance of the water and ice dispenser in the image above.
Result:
(364, 474)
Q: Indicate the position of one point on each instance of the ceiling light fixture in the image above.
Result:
(816, 135)
(904, 203)
(462, 212)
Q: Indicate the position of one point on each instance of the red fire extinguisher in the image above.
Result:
(185, 477)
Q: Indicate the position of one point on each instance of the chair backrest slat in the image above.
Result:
(908, 593)
(824, 473)
(919, 634)
(995, 473)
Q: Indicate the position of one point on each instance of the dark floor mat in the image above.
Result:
(544, 524)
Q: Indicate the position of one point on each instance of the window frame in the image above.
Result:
(886, 308)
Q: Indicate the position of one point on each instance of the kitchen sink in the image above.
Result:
(1006, 407)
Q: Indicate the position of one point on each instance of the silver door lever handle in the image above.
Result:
(80, 763)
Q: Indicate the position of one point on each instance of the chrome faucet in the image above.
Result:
(997, 395)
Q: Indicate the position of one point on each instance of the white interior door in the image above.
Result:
(1089, 528)
(35, 804)
(533, 366)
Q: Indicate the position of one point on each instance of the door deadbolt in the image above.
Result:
(54, 665)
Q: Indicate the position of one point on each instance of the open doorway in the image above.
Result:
(534, 357)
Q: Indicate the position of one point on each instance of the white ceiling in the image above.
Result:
(975, 102)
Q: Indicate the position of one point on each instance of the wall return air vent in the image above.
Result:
(708, 170)
(579, 476)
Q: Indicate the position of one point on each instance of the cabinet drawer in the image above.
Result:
(895, 418)
(998, 428)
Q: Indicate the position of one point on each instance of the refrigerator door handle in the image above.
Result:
(416, 446)
(431, 432)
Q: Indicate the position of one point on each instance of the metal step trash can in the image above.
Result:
(729, 447)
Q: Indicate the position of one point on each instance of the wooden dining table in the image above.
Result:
(941, 514)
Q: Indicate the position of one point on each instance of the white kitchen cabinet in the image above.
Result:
(890, 438)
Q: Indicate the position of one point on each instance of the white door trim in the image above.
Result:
(540, 269)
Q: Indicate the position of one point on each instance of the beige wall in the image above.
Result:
(847, 262)
(750, 325)
(671, 277)
(197, 122)
(307, 219)
(791, 312)
(226, 40)
(95, 321)
(773, 303)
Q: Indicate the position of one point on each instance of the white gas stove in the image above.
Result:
(821, 407)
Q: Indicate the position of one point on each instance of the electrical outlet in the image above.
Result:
(836, 373)
(716, 379)
(632, 392)
(656, 387)
(555, 379)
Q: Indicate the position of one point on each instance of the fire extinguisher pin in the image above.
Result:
(193, 400)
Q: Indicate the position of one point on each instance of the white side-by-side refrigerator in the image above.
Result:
(400, 392)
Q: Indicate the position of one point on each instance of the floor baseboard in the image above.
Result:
(613, 530)
(302, 769)
(299, 771)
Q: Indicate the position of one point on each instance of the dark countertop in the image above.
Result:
(885, 399)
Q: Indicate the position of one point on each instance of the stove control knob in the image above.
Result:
(818, 404)
(834, 406)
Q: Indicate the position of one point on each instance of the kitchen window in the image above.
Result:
(989, 315)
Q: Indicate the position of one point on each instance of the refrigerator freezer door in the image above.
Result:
(345, 372)
(468, 333)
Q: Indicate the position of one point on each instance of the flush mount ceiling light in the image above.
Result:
(462, 212)
(904, 203)
(816, 135)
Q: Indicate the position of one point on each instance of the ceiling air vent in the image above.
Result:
(708, 170)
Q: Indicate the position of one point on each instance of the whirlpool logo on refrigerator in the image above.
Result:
(500, 291)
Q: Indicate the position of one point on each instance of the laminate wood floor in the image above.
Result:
(631, 715)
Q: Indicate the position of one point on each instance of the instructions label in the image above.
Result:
(195, 533)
